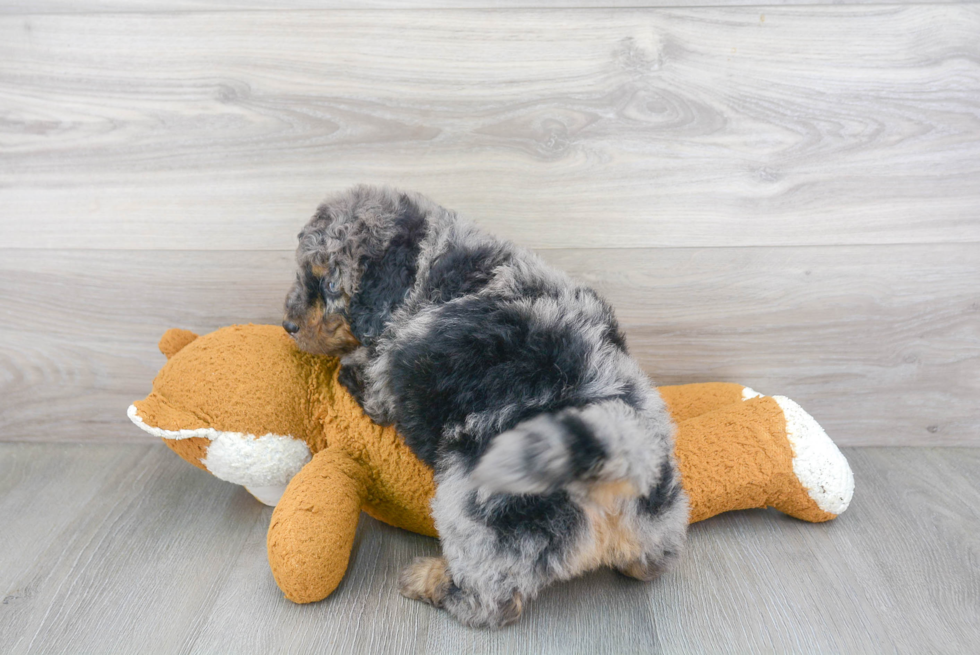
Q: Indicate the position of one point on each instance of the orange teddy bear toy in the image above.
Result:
(245, 404)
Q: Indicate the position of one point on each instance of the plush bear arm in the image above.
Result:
(312, 529)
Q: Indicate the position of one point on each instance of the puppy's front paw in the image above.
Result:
(426, 579)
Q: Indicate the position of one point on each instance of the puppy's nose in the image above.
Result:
(290, 327)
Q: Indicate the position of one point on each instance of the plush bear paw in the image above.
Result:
(818, 464)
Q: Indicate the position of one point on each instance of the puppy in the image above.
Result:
(552, 452)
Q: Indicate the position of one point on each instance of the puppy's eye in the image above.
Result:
(333, 286)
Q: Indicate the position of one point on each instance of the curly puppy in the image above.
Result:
(552, 453)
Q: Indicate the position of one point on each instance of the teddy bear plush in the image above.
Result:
(246, 405)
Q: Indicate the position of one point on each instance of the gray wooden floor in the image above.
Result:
(126, 548)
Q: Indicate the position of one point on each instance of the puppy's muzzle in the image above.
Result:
(321, 335)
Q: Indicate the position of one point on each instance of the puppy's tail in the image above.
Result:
(600, 443)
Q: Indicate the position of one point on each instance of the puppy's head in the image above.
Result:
(348, 231)
(317, 303)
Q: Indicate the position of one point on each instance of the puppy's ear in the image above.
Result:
(320, 221)
(313, 239)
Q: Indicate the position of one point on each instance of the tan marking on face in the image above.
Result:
(319, 271)
(426, 579)
(325, 335)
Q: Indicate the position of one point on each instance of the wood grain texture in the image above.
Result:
(126, 548)
(880, 343)
(600, 128)
(29, 7)
(103, 543)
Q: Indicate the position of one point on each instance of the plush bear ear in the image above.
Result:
(173, 340)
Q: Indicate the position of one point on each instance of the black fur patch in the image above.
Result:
(483, 355)
(463, 271)
(352, 378)
(551, 518)
(587, 454)
(311, 285)
(387, 276)
(664, 494)
(613, 333)
(633, 394)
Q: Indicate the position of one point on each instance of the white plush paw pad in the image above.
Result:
(748, 393)
(267, 461)
(818, 464)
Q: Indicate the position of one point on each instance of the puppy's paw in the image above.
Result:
(642, 570)
(426, 579)
(511, 610)
(649, 568)
(480, 612)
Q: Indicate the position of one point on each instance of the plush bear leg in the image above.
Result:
(686, 401)
(763, 452)
(312, 529)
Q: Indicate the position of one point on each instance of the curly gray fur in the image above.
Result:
(552, 453)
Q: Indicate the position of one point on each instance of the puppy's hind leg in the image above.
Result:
(428, 579)
(660, 519)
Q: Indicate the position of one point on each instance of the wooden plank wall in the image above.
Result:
(783, 196)
(115, 6)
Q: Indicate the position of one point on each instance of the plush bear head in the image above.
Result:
(245, 404)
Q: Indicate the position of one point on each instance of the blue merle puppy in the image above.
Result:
(552, 453)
